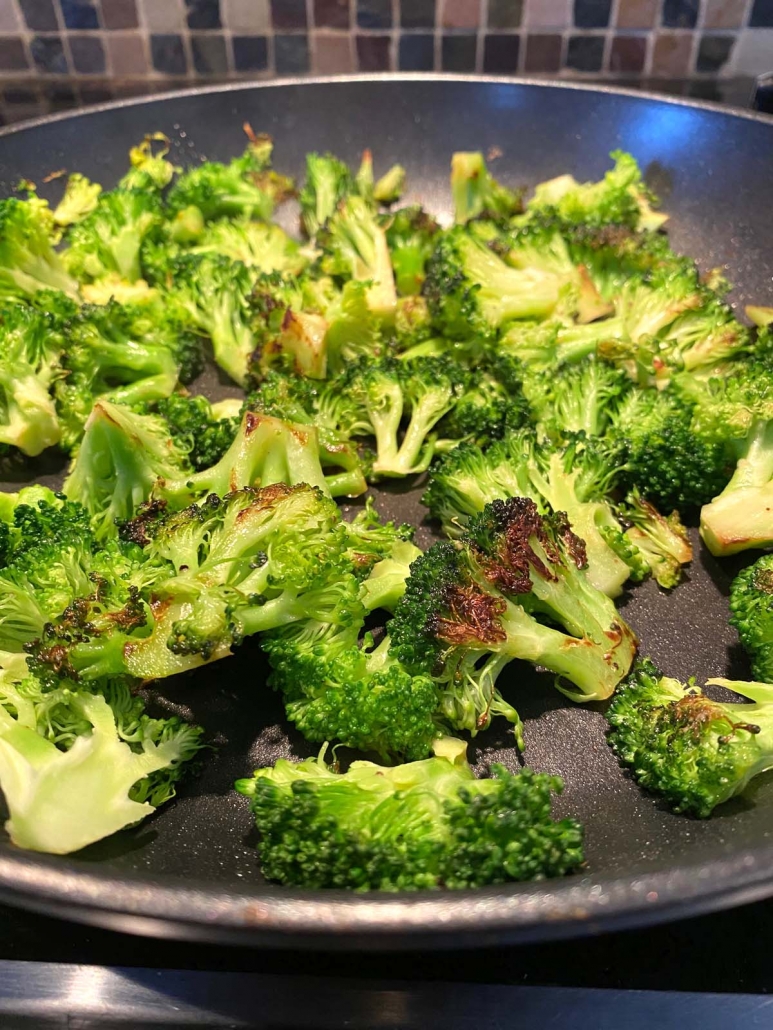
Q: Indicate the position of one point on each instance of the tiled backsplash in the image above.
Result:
(54, 53)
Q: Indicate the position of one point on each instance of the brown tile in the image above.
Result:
(126, 54)
(724, 14)
(332, 54)
(628, 54)
(671, 55)
(119, 14)
(461, 14)
(331, 14)
(637, 14)
(373, 53)
(543, 53)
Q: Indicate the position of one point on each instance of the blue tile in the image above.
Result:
(168, 54)
(459, 52)
(203, 14)
(374, 14)
(48, 55)
(39, 15)
(417, 53)
(250, 53)
(79, 14)
(761, 14)
(680, 14)
(592, 14)
(291, 54)
(88, 55)
(585, 53)
(209, 54)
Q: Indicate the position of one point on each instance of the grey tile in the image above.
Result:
(88, 54)
(48, 55)
(209, 54)
(291, 54)
(39, 15)
(162, 15)
(168, 53)
(245, 16)
(12, 55)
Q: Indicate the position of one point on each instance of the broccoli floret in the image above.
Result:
(246, 186)
(751, 608)
(472, 292)
(693, 750)
(671, 464)
(328, 182)
(575, 479)
(759, 315)
(491, 405)
(125, 354)
(374, 398)
(260, 245)
(469, 609)
(735, 411)
(570, 399)
(149, 169)
(213, 295)
(110, 238)
(661, 540)
(80, 199)
(120, 459)
(417, 826)
(196, 429)
(31, 343)
(335, 689)
(209, 576)
(410, 233)
(620, 198)
(76, 766)
(616, 254)
(477, 194)
(354, 246)
(28, 261)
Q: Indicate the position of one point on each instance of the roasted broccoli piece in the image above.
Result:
(150, 169)
(328, 182)
(660, 540)
(77, 765)
(109, 239)
(469, 609)
(261, 245)
(417, 826)
(208, 576)
(410, 234)
(751, 608)
(246, 186)
(126, 354)
(472, 292)
(620, 198)
(579, 398)
(477, 194)
(574, 478)
(197, 429)
(682, 744)
(28, 261)
(79, 200)
(354, 246)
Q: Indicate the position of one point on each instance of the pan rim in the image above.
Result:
(575, 906)
(316, 80)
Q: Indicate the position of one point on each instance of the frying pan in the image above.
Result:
(191, 870)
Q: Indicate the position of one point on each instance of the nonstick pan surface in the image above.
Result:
(191, 870)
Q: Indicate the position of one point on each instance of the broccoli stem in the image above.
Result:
(350, 483)
(741, 517)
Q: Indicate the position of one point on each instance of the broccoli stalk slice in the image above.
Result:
(425, 824)
(661, 540)
(739, 518)
(61, 800)
(693, 750)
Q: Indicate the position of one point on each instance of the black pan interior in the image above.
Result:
(714, 173)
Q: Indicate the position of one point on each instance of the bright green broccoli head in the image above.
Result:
(28, 261)
(328, 182)
(417, 826)
(410, 234)
(196, 430)
(693, 750)
(751, 608)
(477, 194)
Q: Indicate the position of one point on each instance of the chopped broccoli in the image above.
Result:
(256, 244)
(197, 429)
(80, 198)
(410, 233)
(110, 238)
(28, 261)
(751, 608)
(328, 182)
(354, 246)
(661, 541)
(477, 194)
(76, 766)
(470, 609)
(693, 750)
(417, 826)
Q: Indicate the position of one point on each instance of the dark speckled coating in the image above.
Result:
(191, 870)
